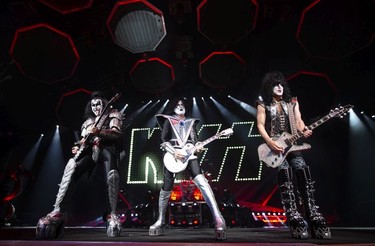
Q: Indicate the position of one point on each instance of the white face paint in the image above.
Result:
(278, 90)
(97, 106)
(180, 108)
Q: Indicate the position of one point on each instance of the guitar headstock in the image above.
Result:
(114, 98)
(226, 132)
(340, 111)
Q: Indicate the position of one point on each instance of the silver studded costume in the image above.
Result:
(99, 148)
(278, 121)
(176, 132)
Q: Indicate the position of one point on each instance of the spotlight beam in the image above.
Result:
(245, 106)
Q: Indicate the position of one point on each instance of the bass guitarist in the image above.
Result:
(278, 112)
(101, 133)
(177, 130)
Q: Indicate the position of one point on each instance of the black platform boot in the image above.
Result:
(297, 225)
(317, 222)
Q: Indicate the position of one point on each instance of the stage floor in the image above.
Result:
(95, 236)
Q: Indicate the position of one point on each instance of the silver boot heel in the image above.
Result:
(158, 228)
(113, 226)
(205, 188)
(220, 228)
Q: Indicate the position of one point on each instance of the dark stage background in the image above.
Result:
(55, 53)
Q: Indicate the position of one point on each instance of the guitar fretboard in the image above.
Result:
(207, 141)
(314, 125)
(334, 113)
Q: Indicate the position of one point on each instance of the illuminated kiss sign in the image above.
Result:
(236, 156)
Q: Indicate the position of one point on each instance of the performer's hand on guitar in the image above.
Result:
(94, 130)
(306, 132)
(199, 147)
(82, 141)
(179, 154)
(275, 146)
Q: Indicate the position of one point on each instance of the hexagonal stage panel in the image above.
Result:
(67, 6)
(136, 26)
(152, 75)
(315, 92)
(226, 22)
(44, 53)
(336, 29)
(71, 107)
(222, 69)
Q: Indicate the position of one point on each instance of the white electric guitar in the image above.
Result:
(287, 141)
(175, 165)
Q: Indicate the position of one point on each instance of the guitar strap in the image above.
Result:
(100, 124)
(292, 118)
(95, 147)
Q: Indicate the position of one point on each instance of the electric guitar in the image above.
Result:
(287, 141)
(98, 124)
(175, 165)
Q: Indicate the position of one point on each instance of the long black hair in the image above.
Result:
(269, 81)
(95, 95)
(174, 102)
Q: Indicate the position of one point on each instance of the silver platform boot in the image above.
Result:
(219, 222)
(52, 225)
(158, 228)
(113, 223)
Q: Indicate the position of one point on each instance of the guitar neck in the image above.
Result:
(314, 125)
(207, 141)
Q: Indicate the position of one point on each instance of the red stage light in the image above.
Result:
(198, 195)
(176, 194)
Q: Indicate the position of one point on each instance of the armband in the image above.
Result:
(167, 146)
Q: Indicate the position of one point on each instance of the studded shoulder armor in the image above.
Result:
(115, 120)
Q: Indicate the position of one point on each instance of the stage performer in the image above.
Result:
(101, 135)
(176, 131)
(278, 112)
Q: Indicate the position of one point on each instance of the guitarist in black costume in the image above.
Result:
(278, 112)
(176, 131)
(100, 137)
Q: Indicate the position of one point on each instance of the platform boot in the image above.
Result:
(113, 223)
(296, 223)
(219, 222)
(52, 225)
(317, 223)
(158, 228)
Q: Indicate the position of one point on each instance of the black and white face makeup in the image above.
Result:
(180, 108)
(97, 106)
(278, 90)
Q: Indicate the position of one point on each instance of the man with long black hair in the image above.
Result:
(177, 130)
(278, 112)
(99, 145)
